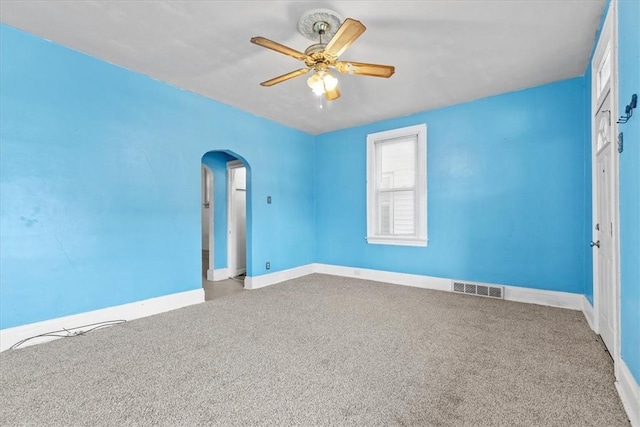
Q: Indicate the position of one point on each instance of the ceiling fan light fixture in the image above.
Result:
(321, 82)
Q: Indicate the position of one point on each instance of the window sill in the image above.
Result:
(396, 241)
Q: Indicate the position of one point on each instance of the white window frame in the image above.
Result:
(420, 237)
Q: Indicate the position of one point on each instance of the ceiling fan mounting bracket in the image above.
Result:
(314, 21)
(321, 27)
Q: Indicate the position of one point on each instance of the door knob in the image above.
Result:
(595, 243)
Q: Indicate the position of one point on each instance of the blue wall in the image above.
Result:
(629, 83)
(506, 192)
(100, 183)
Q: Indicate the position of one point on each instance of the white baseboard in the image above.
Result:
(255, 282)
(629, 392)
(511, 293)
(134, 310)
(414, 280)
(542, 297)
(218, 274)
(587, 310)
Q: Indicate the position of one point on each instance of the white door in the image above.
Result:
(604, 228)
(237, 199)
(605, 186)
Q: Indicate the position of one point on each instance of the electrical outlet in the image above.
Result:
(268, 200)
(268, 265)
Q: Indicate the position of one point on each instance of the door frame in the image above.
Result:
(207, 174)
(231, 243)
(608, 35)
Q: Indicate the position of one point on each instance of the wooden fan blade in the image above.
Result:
(348, 32)
(270, 44)
(332, 94)
(363, 69)
(285, 77)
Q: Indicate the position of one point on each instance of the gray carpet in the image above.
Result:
(322, 350)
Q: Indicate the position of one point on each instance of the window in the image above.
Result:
(397, 187)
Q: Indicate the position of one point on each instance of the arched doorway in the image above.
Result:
(226, 222)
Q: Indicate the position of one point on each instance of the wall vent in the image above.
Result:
(479, 290)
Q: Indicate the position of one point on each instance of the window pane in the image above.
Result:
(384, 214)
(396, 213)
(396, 160)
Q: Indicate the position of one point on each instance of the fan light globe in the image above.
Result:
(330, 82)
(321, 82)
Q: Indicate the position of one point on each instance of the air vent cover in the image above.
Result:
(478, 289)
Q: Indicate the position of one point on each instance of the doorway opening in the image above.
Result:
(226, 223)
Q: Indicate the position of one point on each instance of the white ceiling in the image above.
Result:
(445, 52)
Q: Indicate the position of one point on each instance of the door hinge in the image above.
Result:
(598, 227)
(620, 143)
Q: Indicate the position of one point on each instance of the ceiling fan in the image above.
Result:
(321, 57)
